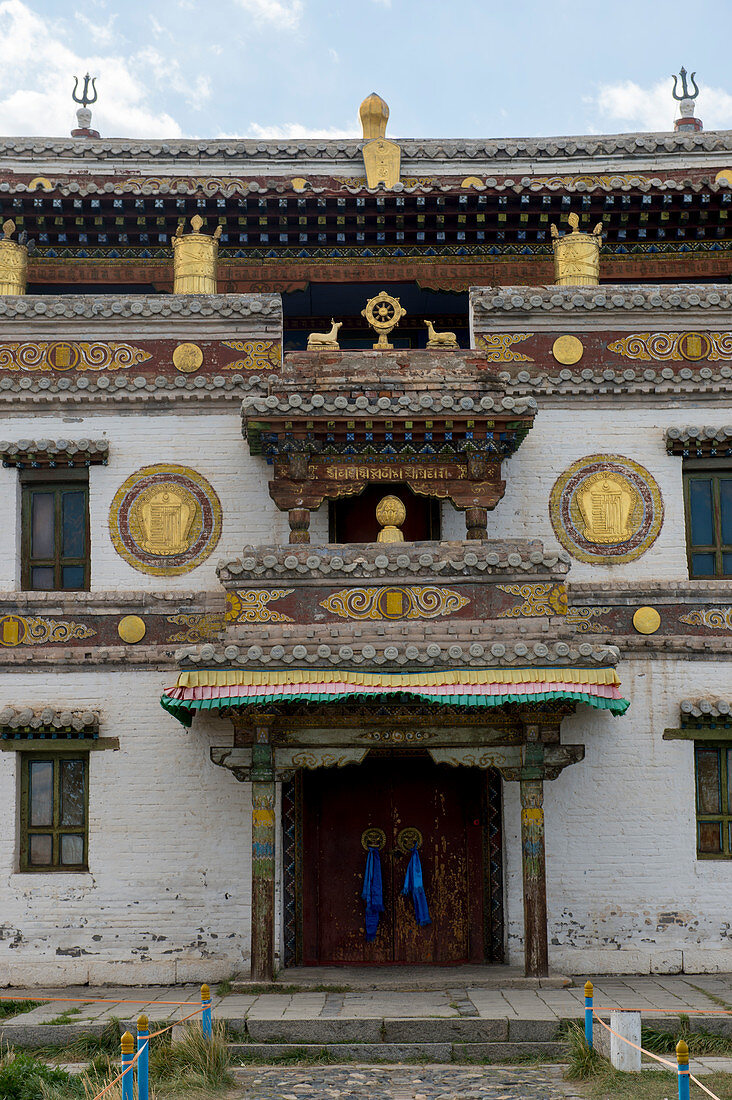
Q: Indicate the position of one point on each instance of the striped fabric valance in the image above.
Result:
(214, 689)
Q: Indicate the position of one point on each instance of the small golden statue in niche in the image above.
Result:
(390, 515)
(383, 313)
(195, 259)
(607, 504)
(165, 517)
(577, 255)
(325, 340)
(13, 262)
(381, 157)
(440, 339)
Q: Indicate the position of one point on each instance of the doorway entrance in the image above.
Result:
(450, 810)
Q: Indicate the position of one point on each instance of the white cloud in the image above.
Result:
(629, 106)
(296, 131)
(101, 33)
(285, 14)
(167, 73)
(36, 81)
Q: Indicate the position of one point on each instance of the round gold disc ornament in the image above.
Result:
(567, 350)
(131, 629)
(187, 358)
(646, 620)
(606, 509)
(165, 520)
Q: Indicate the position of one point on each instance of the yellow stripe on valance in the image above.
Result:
(453, 677)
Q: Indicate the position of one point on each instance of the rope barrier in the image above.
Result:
(145, 1045)
(649, 1053)
(668, 1011)
(94, 1000)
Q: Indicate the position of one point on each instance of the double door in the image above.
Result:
(393, 801)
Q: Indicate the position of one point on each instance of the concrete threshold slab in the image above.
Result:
(408, 979)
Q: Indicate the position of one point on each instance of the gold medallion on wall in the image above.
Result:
(165, 520)
(606, 509)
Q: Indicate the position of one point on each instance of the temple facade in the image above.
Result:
(367, 503)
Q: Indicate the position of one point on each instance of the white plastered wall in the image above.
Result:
(210, 443)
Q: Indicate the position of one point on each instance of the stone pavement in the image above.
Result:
(405, 1083)
(679, 993)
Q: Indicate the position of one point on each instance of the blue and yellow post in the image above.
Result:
(143, 1050)
(206, 1025)
(682, 1057)
(128, 1053)
(589, 991)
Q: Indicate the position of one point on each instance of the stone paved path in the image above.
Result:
(405, 1083)
(678, 993)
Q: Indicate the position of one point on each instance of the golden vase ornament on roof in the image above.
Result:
(195, 259)
(390, 515)
(13, 262)
(577, 255)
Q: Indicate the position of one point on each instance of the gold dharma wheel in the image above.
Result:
(383, 313)
(407, 839)
(373, 838)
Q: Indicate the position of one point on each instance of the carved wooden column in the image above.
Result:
(299, 523)
(533, 859)
(476, 522)
(263, 857)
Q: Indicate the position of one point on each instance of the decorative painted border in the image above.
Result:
(561, 510)
(206, 524)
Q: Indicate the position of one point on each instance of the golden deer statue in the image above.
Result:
(440, 339)
(317, 340)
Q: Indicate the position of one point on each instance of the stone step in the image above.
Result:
(428, 1029)
(46, 1035)
(397, 1052)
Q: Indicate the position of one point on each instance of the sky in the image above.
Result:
(300, 68)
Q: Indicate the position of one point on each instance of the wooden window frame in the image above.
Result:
(35, 481)
(56, 829)
(725, 814)
(707, 470)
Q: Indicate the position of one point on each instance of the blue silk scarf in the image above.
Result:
(414, 888)
(372, 893)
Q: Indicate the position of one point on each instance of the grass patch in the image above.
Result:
(25, 1078)
(64, 1017)
(584, 1061)
(651, 1085)
(223, 989)
(9, 1009)
(296, 1056)
(660, 1041)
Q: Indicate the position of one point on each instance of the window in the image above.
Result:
(54, 801)
(713, 768)
(708, 495)
(55, 520)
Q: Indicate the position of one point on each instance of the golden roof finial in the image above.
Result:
(577, 254)
(374, 114)
(195, 259)
(390, 515)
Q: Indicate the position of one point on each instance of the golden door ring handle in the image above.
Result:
(407, 839)
(373, 838)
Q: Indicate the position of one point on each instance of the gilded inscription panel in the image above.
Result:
(165, 520)
(606, 509)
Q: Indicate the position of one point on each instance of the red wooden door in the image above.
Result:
(393, 793)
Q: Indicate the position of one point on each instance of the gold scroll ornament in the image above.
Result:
(20, 630)
(256, 354)
(13, 262)
(376, 603)
(195, 259)
(607, 503)
(577, 255)
(674, 346)
(251, 605)
(66, 355)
